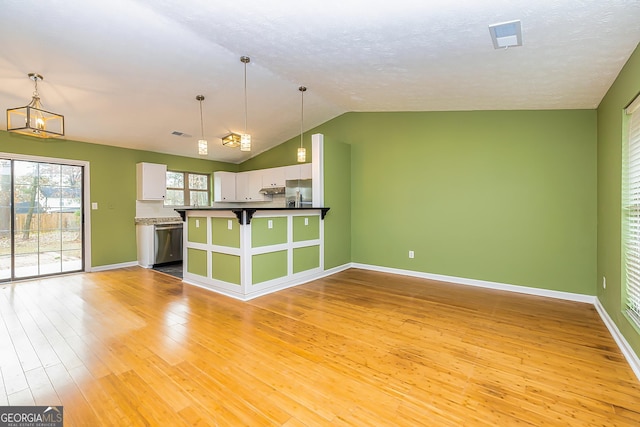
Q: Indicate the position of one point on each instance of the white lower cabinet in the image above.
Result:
(144, 238)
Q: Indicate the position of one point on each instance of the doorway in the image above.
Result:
(41, 219)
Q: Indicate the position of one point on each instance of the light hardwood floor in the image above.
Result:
(137, 347)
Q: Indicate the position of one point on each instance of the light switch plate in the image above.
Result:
(230, 224)
(306, 221)
(94, 206)
(197, 223)
(270, 223)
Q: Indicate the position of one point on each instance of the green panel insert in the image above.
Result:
(225, 232)
(197, 262)
(197, 229)
(306, 258)
(306, 228)
(269, 266)
(225, 267)
(268, 231)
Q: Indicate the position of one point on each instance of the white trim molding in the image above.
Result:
(114, 266)
(623, 344)
(590, 299)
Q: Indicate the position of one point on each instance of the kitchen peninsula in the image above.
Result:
(245, 252)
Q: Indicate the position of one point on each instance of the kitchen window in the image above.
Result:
(632, 213)
(187, 189)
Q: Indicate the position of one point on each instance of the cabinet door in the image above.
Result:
(292, 172)
(242, 187)
(306, 171)
(254, 185)
(224, 187)
(248, 186)
(151, 181)
(274, 177)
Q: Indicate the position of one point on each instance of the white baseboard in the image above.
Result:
(482, 284)
(623, 344)
(625, 348)
(113, 266)
(337, 269)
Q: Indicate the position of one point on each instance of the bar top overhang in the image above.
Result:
(246, 219)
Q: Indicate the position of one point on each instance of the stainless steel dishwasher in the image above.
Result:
(167, 243)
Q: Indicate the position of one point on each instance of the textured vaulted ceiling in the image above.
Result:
(126, 72)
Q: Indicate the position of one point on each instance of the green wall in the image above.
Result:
(113, 187)
(504, 196)
(610, 143)
(337, 196)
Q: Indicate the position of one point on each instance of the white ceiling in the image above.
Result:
(126, 72)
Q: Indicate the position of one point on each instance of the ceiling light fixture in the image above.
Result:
(302, 152)
(506, 34)
(32, 120)
(202, 143)
(245, 138)
(232, 140)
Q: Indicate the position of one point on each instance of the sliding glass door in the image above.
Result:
(6, 229)
(41, 219)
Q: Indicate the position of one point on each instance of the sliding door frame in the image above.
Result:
(86, 199)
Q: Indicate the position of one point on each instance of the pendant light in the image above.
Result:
(202, 143)
(32, 120)
(231, 140)
(302, 152)
(245, 138)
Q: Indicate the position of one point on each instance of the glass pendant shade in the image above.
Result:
(302, 152)
(202, 147)
(32, 120)
(245, 142)
(202, 143)
(302, 155)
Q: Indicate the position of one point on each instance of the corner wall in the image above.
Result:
(610, 144)
(499, 196)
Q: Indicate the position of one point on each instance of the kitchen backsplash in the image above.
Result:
(156, 208)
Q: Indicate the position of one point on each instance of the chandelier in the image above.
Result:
(32, 119)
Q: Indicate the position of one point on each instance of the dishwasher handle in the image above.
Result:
(168, 226)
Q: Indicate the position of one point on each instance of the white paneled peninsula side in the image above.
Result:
(247, 252)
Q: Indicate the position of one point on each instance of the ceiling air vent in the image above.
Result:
(506, 34)
(178, 133)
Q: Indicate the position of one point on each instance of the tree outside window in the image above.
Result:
(187, 189)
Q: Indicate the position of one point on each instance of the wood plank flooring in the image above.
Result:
(134, 347)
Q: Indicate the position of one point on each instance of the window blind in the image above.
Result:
(632, 226)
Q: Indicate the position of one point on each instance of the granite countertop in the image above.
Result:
(160, 220)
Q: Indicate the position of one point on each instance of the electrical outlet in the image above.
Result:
(230, 224)
(197, 223)
(269, 223)
(411, 254)
(604, 282)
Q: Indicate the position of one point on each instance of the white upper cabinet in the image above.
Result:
(274, 177)
(301, 171)
(151, 181)
(224, 187)
(306, 171)
(248, 186)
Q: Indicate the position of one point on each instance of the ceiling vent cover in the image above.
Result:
(506, 34)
